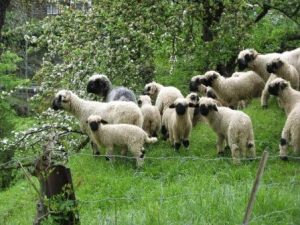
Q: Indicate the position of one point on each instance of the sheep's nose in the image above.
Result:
(94, 126)
(56, 104)
(180, 109)
(270, 68)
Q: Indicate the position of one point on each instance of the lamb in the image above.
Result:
(291, 133)
(231, 125)
(164, 96)
(288, 97)
(283, 69)
(124, 135)
(232, 90)
(194, 112)
(113, 112)
(257, 62)
(152, 117)
(177, 122)
(100, 84)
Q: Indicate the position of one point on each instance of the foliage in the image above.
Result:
(8, 62)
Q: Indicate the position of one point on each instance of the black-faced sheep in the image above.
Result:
(123, 135)
(177, 122)
(152, 117)
(194, 111)
(232, 90)
(232, 126)
(99, 84)
(164, 96)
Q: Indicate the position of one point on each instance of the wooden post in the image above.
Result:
(259, 174)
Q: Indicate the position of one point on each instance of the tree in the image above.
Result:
(3, 7)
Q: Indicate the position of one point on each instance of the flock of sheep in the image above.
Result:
(128, 123)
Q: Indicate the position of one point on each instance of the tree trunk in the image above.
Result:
(3, 7)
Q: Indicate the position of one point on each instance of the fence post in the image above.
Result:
(259, 174)
(55, 183)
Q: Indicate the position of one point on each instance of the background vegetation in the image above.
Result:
(168, 41)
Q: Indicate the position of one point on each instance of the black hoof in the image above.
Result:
(284, 158)
(97, 153)
(221, 153)
(107, 158)
(186, 143)
(177, 146)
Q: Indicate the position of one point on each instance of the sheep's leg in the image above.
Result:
(220, 145)
(185, 140)
(139, 154)
(109, 153)
(95, 149)
(284, 144)
(251, 152)
(124, 150)
(164, 132)
(265, 97)
(177, 141)
(235, 151)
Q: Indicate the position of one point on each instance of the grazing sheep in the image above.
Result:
(288, 97)
(231, 125)
(99, 84)
(164, 96)
(257, 62)
(152, 117)
(194, 112)
(124, 135)
(283, 69)
(177, 122)
(113, 112)
(232, 90)
(291, 133)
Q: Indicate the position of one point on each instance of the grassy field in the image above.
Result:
(190, 187)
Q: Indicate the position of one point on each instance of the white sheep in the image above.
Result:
(232, 90)
(257, 62)
(177, 122)
(291, 133)
(152, 117)
(101, 85)
(231, 125)
(288, 97)
(283, 69)
(123, 135)
(164, 96)
(194, 112)
(113, 112)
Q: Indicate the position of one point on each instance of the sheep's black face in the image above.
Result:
(98, 86)
(194, 98)
(147, 90)
(210, 79)
(243, 62)
(273, 89)
(180, 109)
(211, 94)
(204, 109)
(193, 86)
(56, 104)
(274, 66)
(94, 126)
(139, 102)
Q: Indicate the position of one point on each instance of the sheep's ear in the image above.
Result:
(280, 63)
(214, 107)
(193, 105)
(139, 102)
(283, 85)
(103, 121)
(172, 106)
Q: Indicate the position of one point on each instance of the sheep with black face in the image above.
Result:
(176, 122)
(122, 135)
(232, 126)
(288, 96)
(113, 112)
(232, 90)
(163, 96)
(194, 112)
(152, 117)
(283, 69)
(250, 58)
(100, 84)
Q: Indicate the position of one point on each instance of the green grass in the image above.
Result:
(177, 190)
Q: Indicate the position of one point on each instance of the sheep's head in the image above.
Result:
(277, 86)
(181, 104)
(62, 100)
(210, 93)
(144, 99)
(195, 83)
(274, 65)
(210, 77)
(94, 122)
(151, 89)
(206, 105)
(193, 98)
(98, 84)
(246, 57)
